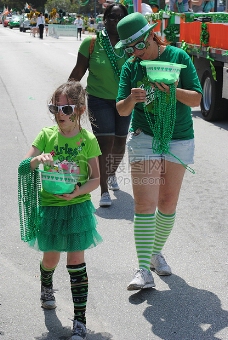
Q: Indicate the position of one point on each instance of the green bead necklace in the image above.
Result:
(164, 114)
(29, 187)
(112, 56)
(164, 119)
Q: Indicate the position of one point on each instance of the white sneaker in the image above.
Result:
(159, 265)
(112, 183)
(142, 279)
(105, 200)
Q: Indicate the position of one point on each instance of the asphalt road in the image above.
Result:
(191, 304)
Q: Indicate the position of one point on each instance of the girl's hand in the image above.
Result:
(68, 197)
(45, 158)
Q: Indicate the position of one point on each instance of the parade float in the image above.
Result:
(204, 37)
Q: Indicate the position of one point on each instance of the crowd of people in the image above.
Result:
(196, 6)
(124, 110)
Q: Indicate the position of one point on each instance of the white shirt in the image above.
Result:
(78, 23)
(40, 20)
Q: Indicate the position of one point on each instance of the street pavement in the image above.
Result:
(191, 304)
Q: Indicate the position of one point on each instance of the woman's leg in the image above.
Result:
(111, 131)
(47, 268)
(145, 183)
(118, 150)
(102, 118)
(76, 268)
(117, 154)
(105, 160)
(165, 215)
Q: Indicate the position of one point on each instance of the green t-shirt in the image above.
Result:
(133, 75)
(73, 152)
(102, 81)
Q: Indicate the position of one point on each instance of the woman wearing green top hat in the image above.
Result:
(156, 175)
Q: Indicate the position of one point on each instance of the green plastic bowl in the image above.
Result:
(57, 183)
(162, 72)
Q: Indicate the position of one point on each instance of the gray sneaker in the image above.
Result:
(79, 331)
(142, 279)
(159, 265)
(105, 200)
(47, 298)
(112, 183)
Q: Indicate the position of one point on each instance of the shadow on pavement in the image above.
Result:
(56, 331)
(122, 207)
(221, 124)
(182, 312)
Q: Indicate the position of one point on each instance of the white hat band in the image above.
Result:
(136, 35)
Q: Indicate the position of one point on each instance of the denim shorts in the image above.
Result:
(139, 146)
(105, 119)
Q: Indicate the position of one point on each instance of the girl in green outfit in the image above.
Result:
(62, 223)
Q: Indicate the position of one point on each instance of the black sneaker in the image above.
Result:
(47, 297)
(79, 331)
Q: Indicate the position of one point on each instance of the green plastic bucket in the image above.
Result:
(58, 183)
(162, 72)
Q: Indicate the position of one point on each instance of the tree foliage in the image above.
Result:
(64, 5)
(69, 6)
(19, 5)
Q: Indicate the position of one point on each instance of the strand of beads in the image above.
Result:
(112, 56)
(164, 119)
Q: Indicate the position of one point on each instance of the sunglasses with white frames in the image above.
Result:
(66, 109)
(138, 46)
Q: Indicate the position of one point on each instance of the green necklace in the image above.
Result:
(164, 117)
(112, 56)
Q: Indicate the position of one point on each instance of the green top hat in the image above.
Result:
(153, 3)
(131, 28)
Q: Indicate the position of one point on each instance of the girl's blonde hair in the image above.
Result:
(74, 93)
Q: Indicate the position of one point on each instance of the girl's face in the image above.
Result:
(66, 121)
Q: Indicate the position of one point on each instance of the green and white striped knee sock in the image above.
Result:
(144, 232)
(164, 226)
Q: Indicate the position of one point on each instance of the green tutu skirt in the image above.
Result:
(66, 229)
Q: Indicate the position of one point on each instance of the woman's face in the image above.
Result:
(113, 18)
(147, 52)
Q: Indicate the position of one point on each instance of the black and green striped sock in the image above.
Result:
(79, 290)
(46, 275)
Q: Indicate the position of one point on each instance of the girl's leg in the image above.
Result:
(79, 288)
(145, 182)
(47, 268)
(165, 215)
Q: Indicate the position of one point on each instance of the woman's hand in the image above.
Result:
(164, 87)
(138, 95)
